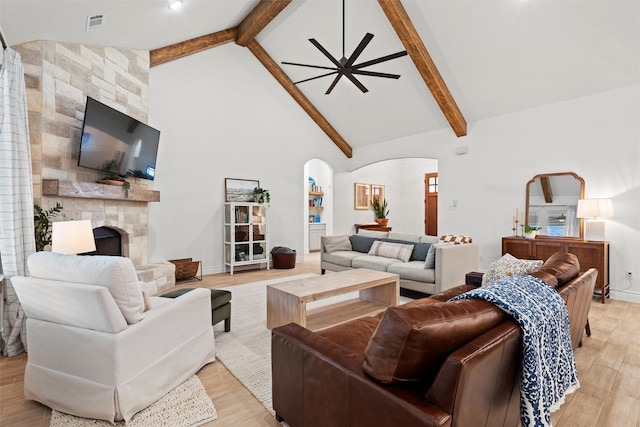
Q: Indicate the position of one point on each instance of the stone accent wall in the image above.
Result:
(59, 77)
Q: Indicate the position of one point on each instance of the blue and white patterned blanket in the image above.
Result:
(548, 366)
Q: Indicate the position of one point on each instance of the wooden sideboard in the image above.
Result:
(590, 254)
(373, 226)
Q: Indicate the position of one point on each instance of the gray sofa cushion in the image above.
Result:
(372, 262)
(376, 234)
(413, 270)
(342, 258)
(413, 238)
(337, 243)
(361, 243)
(429, 239)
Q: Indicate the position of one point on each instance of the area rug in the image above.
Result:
(185, 406)
(246, 350)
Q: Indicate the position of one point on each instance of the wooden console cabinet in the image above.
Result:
(590, 254)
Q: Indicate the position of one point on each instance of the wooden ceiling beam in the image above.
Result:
(401, 23)
(298, 96)
(545, 183)
(259, 18)
(189, 47)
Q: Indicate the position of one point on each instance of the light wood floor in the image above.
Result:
(608, 367)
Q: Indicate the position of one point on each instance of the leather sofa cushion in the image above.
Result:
(353, 335)
(564, 266)
(411, 343)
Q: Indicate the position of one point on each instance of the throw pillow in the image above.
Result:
(430, 259)
(147, 300)
(455, 239)
(419, 251)
(337, 243)
(507, 266)
(391, 250)
(410, 343)
(361, 243)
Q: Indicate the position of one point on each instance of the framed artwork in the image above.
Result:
(361, 196)
(239, 190)
(377, 192)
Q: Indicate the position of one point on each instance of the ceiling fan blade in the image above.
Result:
(333, 83)
(316, 77)
(356, 53)
(379, 60)
(355, 81)
(308, 65)
(376, 74)
(325, 52)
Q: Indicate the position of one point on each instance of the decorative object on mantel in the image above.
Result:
(42, 225)
(126, 185)
(239, 190)
(381, 211)
(261, 195)
(530, 231)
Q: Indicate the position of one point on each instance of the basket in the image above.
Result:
(284, 260)
(185, 268)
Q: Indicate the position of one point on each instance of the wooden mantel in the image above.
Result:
(92, 190)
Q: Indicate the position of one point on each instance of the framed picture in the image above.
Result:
(239, 190)
(361, 196)
(377, 192)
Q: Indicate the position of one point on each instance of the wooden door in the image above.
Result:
(431, 204)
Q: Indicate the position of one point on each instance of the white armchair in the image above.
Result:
(93, 352)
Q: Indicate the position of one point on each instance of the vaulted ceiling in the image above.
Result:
(495, 56)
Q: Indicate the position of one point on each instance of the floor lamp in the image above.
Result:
(592, 210)
(72, 237)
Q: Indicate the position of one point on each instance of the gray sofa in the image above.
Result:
(452, 261)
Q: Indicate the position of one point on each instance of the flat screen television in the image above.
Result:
(117, 144)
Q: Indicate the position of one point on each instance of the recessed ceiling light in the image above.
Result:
(177, 4)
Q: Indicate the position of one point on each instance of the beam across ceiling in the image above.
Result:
(298, 96)
(259, 18)
(191, 46)
(401, 23)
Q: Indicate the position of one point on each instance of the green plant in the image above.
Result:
(261, 195)
(126, 185)
(531, 228)
(42, 225)
(380, 209)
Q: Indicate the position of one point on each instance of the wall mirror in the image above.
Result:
(552, 201)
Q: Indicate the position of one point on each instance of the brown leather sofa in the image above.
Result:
(425, 363)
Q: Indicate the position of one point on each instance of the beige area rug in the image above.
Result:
(185, 406)
(246, 349)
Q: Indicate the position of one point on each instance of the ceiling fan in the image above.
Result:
(348, 67)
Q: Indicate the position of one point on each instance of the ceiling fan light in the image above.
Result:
(176, 4)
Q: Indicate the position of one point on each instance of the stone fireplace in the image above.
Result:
(107, 207)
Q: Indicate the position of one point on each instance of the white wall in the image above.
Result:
(222, 115)
(404, 190)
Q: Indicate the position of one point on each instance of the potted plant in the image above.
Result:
(42, 225)
(381, 211)
(531, 231)
(261, 195)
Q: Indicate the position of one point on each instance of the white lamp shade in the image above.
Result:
(72, 237)
(594, 208)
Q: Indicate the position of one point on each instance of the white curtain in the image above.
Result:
(17, 239)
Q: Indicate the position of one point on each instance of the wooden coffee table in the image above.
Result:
(287, 302)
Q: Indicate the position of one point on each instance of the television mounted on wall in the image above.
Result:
(116, 143)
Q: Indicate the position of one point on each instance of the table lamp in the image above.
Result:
(72, 237)
(592, 210)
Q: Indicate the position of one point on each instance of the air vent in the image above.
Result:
(94, 22)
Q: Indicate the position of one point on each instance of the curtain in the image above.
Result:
(17, 239)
